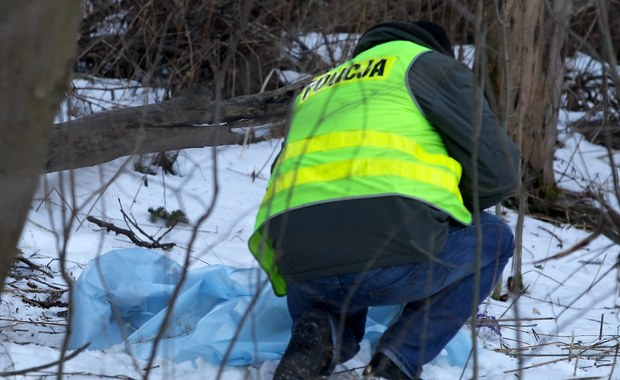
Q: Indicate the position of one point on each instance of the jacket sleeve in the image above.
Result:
(443, 89)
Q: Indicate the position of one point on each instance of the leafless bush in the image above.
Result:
(180, 44)
(587, 35)
(584, 92)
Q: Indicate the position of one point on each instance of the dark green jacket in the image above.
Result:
(357, 235)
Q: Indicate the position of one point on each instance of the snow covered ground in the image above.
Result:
(569, 314)
(565, 326)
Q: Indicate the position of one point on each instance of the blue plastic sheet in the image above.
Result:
(121, 297)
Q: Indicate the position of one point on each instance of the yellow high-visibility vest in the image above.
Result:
(356, 132)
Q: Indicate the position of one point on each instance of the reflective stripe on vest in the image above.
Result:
(415, 164)
(357, 133)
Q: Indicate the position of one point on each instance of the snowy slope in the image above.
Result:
(565, 325)
(563, 307)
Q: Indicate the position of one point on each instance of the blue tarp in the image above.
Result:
(121, 297)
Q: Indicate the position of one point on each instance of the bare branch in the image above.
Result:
(130, 234)
(45, 366)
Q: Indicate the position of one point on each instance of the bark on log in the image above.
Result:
(188, 121)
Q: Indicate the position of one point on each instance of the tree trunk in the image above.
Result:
(536, 33)
(530, 69)
(38, 42)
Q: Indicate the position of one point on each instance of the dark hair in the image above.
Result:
(437, 32)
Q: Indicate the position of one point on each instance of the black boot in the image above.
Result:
(382, 367)
(309, 353)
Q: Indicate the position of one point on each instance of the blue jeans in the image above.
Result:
(437, 296)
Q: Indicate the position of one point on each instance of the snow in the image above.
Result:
(565, 325)
(332, 48)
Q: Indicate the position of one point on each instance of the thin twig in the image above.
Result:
(45, 366)
(130, 234)
(34, 266)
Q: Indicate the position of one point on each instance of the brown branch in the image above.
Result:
(130, 234)
(585, 210)
(183, 122)
(579, 245)
(33, 266)
(51, 301)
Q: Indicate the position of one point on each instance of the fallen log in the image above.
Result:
(188, 121)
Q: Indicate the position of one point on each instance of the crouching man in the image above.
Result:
(370, 203)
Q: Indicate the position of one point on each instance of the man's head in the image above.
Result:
(427, 33)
